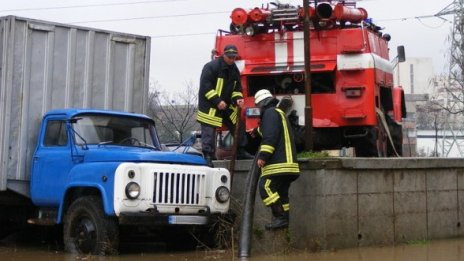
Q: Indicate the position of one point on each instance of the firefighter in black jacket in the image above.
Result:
(220, 92)
(276, 158)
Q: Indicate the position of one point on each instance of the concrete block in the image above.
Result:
(308, 184)
(376, 220)
(445, 179)
(410, 227)
(307, 222)
(460, 224)
(460, 174)
(378, 230)
(442, 225)
(356, 201)
(340, 206)
(319, 164)
(341, 233)
(344, 152)
(409, 180)
(330, 222)
(375, 181)
(270, 242)
(340, 218)
(374, 205)
(336, 182)
(442, 201)
(407, 203)
(307, 212)
(383, 164)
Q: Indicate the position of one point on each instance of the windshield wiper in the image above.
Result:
(145, 145)
(105, 142)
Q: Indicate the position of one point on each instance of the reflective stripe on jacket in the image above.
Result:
(218, 82)
(277, 146)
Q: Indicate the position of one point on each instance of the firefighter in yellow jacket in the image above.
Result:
(219, 94)
(276, 158)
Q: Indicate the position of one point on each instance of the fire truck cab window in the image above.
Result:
(321, 82)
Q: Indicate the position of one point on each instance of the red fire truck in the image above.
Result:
(354, 101)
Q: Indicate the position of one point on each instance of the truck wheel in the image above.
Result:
(367, 146)
(87, 230)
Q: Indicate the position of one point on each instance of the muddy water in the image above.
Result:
(442, 250)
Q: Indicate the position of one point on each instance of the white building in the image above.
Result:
(415, 75)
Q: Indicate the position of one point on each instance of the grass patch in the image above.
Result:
(313, 155)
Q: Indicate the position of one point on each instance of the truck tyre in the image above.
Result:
(87, 230)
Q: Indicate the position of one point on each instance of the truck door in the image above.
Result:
(51, 163)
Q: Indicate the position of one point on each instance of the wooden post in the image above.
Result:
(307, 61)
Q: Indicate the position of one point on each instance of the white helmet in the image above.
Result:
(262, 95)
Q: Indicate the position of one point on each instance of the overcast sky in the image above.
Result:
(183, 31)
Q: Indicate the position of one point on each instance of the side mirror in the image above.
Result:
(401, 54)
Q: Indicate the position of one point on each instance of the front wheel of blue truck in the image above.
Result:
(87, 230)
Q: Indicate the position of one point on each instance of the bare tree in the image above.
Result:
(174, 113)
(448, 100)
(432, 116)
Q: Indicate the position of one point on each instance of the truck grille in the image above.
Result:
(178, 188)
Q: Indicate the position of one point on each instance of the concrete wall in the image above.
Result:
(341, 203)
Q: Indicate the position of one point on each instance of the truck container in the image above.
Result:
(47, 65)
(77, 149)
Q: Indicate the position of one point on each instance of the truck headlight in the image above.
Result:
(132, 190)
(222, 194)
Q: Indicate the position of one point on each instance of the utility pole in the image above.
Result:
(452, 135)
(307, 58)
(457, 45)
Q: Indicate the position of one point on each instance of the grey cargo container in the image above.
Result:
(47, 65)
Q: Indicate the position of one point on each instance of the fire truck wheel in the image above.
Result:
(381, 145)
(87, 230)
(367, 146)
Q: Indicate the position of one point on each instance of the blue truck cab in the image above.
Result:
(94, 170)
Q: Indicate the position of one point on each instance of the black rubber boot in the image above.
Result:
(279, 217)
(277, 223)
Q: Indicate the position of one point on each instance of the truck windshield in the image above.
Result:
(115, 130)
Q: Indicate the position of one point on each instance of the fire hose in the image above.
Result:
(246, 226)
(387, 130)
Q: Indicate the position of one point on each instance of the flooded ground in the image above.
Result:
(37, 249)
